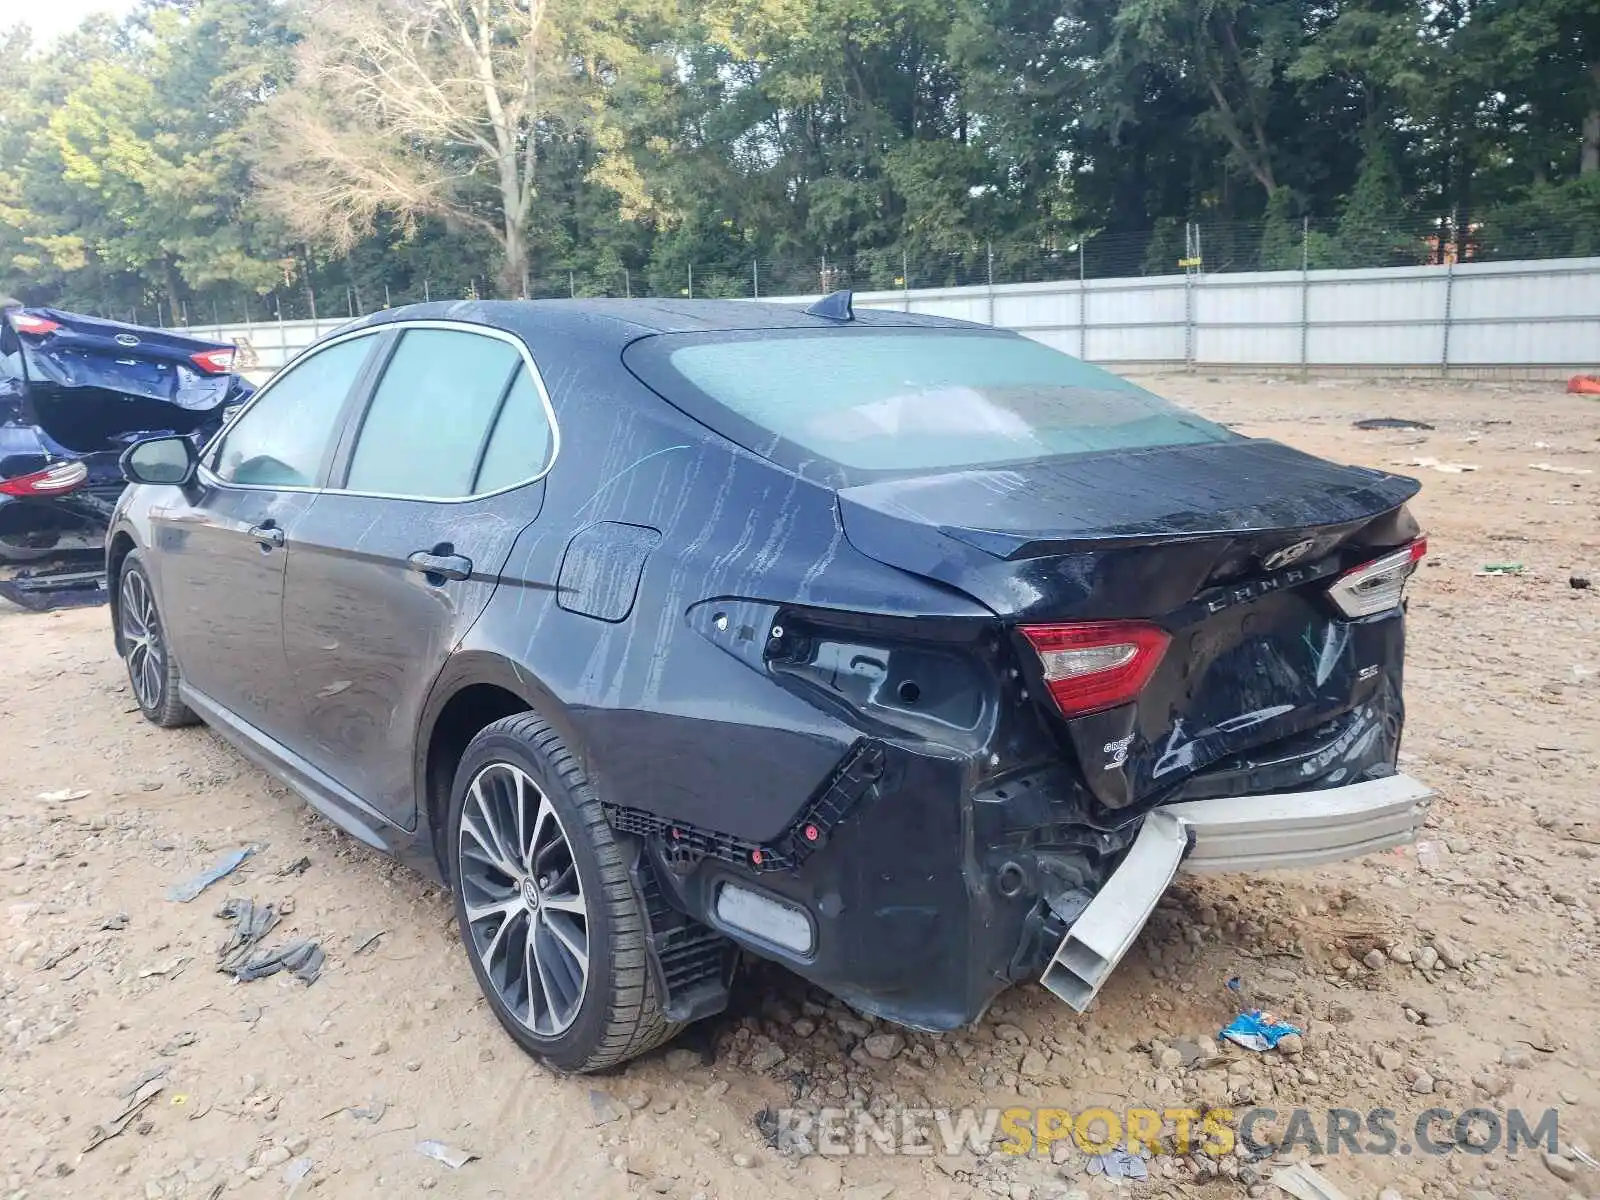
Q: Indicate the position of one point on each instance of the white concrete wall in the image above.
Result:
(1537, 315)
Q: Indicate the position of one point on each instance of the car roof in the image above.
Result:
(625, 320)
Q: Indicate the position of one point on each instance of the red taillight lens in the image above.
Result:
(1096, 665)
(52, 481)
(1379, 585)
(213, 362)
(37, 326)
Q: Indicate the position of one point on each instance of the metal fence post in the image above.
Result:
(1449, 302)
(755, 280)
(283, 338)
(1083, 308)
(627, 284)
(426, 298)
(572, 284)
(989, 252)
(1305, 294)
(691, 281)
(1189, 237)
(905, 280)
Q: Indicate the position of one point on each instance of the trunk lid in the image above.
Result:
(1229, 547)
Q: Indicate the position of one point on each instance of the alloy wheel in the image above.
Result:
(141, 640)
(524, 903)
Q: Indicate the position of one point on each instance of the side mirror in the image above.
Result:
(160, 460)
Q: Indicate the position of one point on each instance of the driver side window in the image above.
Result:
(283, 438)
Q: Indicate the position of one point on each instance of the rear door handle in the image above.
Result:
(267, 535)
(440, 566)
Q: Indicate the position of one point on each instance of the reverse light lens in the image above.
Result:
(1377, 586)
(1096, 665)
(37, 326)
(213, 362)
(771, 920)
(52, 481)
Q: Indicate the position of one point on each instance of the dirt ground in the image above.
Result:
(1482, 992)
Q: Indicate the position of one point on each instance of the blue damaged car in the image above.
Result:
(75, 392)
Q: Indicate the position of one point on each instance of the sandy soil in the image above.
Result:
(105, 984)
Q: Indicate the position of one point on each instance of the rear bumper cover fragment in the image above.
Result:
(1238, 833)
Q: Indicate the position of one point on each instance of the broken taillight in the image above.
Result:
(213, 362)
(1377, 586)
(52, 481)
(37, 326)
(1096, 665)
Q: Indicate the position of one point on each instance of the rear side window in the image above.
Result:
(283, 437)
(426, 428)
(519, 445)
(914, 400)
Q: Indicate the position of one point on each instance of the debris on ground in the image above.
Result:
(63, 796)
(1258, 1031)
(1433, 464)
(298, 867)
(448, 1155)
(367, 941)
(1554, 469)
(1305, 1182)
(303, 959)
(241, 955)
(227, 865)
(116, 922)
(1502, 568)
(142, 1099)
(1391, 423)
(1118, 1164)
(1578, 583)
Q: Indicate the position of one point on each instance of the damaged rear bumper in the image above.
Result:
(1237, 833)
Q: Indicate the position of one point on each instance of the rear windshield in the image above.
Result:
(875, 402)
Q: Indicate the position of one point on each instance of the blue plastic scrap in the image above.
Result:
(227, 865)
(1118, 1164)
(1256, 1030)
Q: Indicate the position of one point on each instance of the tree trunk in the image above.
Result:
(514, 263)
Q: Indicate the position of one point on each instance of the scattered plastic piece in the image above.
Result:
(1553, 469)
(304, 959)
(142, 1099)
(1444, 468)
(1118, 1164)
(297, 1169)
(62, 796)
(367, 941)
(1257, 1030)
(1509, 568)
(251, 923)
(1306, 1183)
(298, 867)
(1391, 423)
(190, 888)
(1584, 385)
(448, 1155)
(1578, 583)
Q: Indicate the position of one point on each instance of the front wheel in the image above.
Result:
(547, 911)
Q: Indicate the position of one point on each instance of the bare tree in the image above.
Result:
(421, 108)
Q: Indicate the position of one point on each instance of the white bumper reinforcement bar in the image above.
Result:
(1235, 833)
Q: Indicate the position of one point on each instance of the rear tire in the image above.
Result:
(152, 670)
(546, 908)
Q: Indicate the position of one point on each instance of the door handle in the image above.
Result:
(267, 535)
(439, 567)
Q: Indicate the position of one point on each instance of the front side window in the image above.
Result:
(909, 400)
(430, 418)
(284, 436)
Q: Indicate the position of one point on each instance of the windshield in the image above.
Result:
(919, 400)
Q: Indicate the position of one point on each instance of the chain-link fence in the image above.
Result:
(1173, 247)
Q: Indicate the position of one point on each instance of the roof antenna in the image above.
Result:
(835, 306)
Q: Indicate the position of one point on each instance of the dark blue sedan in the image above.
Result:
(911, 654)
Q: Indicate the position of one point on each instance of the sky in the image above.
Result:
(52, 18)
